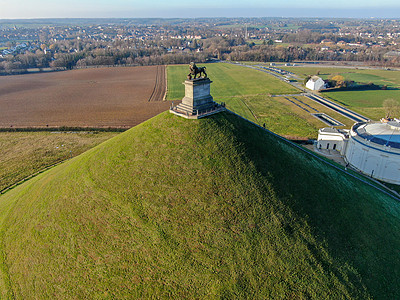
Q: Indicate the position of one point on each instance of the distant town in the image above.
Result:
(26, 45)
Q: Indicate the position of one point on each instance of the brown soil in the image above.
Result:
(103, 97)
(159, 90)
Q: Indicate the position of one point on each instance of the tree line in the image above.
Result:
(73, 54)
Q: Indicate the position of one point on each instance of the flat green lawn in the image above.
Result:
(285, 118)
(228, 81)
(368, 103)
(279, 118)
(241, 106)
(24, 153)
(247, 93)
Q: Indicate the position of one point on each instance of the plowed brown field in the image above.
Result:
(103, 97)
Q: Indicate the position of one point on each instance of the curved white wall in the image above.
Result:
(377, 161)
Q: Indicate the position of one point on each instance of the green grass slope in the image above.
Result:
(197, 208)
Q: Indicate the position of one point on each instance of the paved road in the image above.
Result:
(349, 65)
(312, 96)
(338, 108)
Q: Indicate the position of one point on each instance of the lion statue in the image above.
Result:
(194, 70)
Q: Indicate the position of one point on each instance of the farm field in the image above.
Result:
(24, 153)
(228, 81)
(368, 103)
(101, 97)
(248, 93)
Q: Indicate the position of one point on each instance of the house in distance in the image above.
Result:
(315, 83)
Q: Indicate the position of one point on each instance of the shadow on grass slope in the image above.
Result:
(198, 208)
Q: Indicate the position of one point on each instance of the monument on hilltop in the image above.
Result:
(198, 101)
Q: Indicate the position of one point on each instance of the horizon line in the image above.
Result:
(199, 17)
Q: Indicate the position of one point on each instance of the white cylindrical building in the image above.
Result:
(374, 149)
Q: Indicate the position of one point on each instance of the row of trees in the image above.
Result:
(311, 37)
(70, 54)
(280, 54)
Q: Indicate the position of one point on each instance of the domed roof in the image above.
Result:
(387, 134)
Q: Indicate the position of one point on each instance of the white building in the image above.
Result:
(315, 83)
(333, 139)
(372, 148)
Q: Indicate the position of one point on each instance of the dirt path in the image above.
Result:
(159, 85)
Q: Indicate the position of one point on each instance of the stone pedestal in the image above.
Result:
(198, 101)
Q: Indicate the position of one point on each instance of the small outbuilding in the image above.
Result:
(333, 139)
(315, 83)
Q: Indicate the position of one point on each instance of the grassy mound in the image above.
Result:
(197, 208)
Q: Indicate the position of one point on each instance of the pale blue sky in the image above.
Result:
(200, 8)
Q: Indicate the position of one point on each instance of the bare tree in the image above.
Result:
(392, 107)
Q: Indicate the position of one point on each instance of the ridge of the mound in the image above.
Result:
(192, 208)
